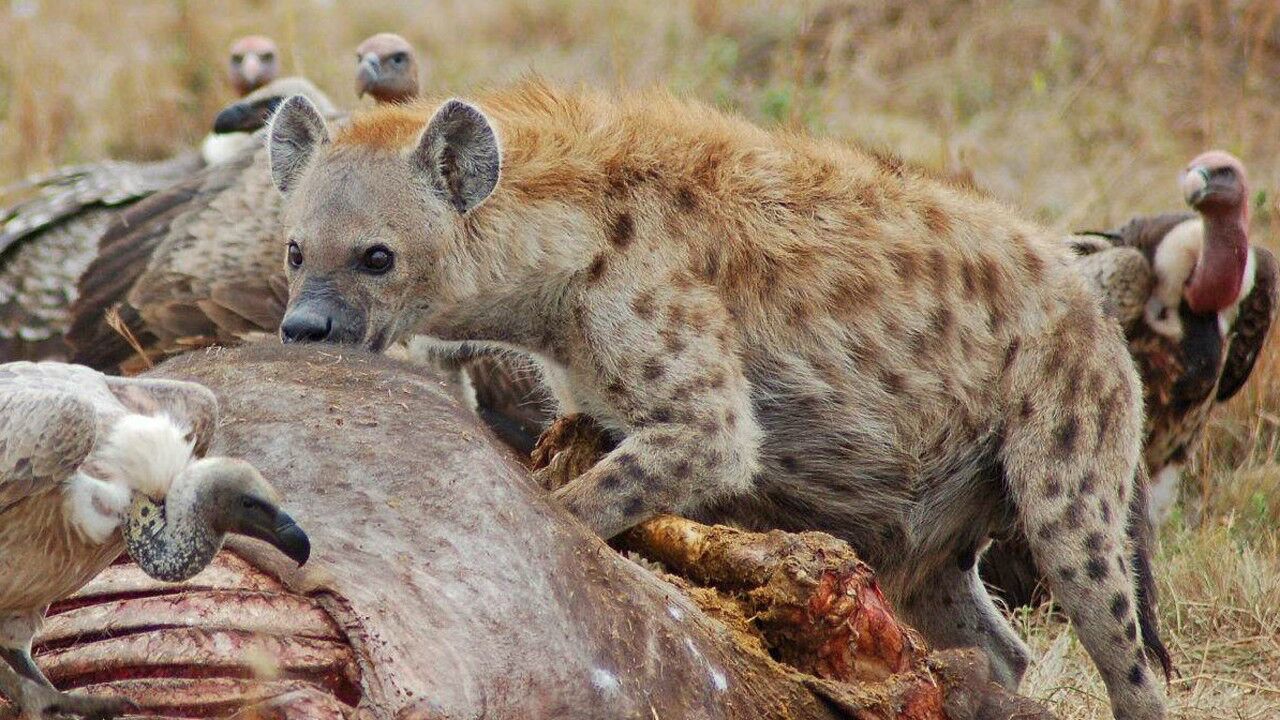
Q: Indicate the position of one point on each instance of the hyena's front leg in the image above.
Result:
(691, 437)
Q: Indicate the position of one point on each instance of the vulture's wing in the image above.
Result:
(1257, 312)
(44, 437)
(67, 191)
(49, 230)
(220, 272)
(126, 250)
(1120, 274)
(1146, 233)
(191, 404)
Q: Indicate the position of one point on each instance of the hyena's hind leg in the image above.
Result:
(954, 610)
(1070, 464)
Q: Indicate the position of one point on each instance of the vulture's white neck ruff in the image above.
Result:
(142, 454)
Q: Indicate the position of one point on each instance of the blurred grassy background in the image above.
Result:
(1079, 111)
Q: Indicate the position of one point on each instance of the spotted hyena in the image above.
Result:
(783, 332)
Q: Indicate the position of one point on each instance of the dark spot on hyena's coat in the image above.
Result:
(936, 219)
(1052, 487)
(904, 264)
(1073, 517)
(653, 369)
(1104, 508)
(1032, 263)
(596, 270)
(622, 231)
(634, 505)
(893, 381)
(1011, 352)
(967, 272)
(1096, 568)
(644, 306)
(1067, 574)
(1119, 605)
(1089, 483)
(686, 200)
(630, 466)
(1093, 543)
(788, 463)
(682, 470)
(1135, 674)
(1065, 437)
(1131, 630)
(1027, 409)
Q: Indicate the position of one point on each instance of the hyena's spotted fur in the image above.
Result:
(785, 333)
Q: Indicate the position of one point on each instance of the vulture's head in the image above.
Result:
(254, 62)
(1215, 182)
(254, 111)
(234, 498)
(387, 69)
(176, 537)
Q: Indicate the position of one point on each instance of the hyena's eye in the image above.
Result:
(378, 259)
(295, 255)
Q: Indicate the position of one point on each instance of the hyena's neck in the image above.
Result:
(522, 281)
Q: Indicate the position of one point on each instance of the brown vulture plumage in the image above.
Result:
(50, 225)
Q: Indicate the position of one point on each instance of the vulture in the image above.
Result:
(1196, 302)
(387, 69)
(92, 466)
(49, 226)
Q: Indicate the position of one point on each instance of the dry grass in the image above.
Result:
(1079, 111)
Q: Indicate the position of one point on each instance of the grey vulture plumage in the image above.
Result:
(49, 225)
(92, 466)
(1196, 302)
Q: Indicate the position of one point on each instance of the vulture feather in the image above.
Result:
(50, 225)
(93, 466)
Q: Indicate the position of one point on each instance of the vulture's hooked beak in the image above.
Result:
(1195, 184)
(367, 75)
(282, 533)
(246, 116)
(251, 69)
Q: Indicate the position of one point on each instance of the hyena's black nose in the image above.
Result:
(305, 326)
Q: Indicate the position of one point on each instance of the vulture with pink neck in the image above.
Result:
(1196, 302)
(1205, 319)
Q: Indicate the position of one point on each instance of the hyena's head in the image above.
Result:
(371, 223)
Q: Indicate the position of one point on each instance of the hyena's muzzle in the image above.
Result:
(320, 313)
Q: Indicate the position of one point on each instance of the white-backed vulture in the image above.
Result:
(92, 466)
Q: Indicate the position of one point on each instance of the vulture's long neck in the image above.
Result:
(1215, 283)
(171, 541)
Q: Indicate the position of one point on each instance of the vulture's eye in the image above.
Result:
(237, 59)
(268, 57)
(249, 503)
(398, 58)
(295, 255)
(378, 259)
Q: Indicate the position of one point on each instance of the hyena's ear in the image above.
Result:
(458, 153)
(297, 129)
